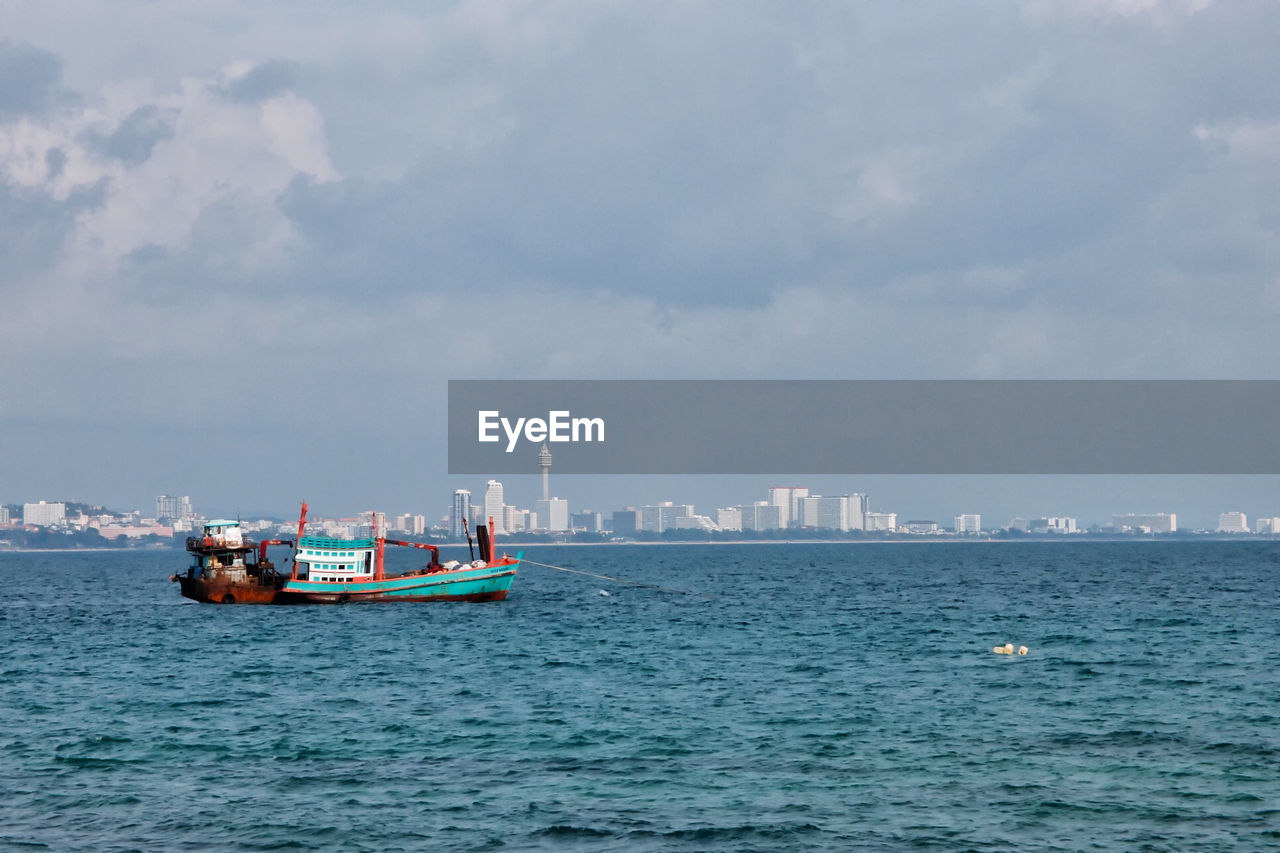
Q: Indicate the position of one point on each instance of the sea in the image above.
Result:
(771, 697)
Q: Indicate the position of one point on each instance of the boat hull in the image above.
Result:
(226, 590)
(485, 583)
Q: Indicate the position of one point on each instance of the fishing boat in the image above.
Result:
(331, 571)
(229, 569)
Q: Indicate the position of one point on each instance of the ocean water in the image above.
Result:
(818, 697)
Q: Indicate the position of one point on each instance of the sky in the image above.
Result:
(243, 246)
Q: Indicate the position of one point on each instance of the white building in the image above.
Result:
(493, 506)
(1159, 522)
(1267, 525)
(859, 506)
(823, 513)
(881, 521)
(787, 500)
(459, 511)
(553, 514)
(696, 522)
(1061, 524)
(1233, 522)
(4, 515)
(729, 518)
(922, 526)
(969, 523)
(44, 514)
(760, 515)
(656, 518)
(174, 508)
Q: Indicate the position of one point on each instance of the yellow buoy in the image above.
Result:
(1022, 650)
(1008, 648)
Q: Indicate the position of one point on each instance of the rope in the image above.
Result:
(615, 580)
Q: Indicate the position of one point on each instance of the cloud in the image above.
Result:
(253, 83)
(1159, 11)
(1246, 140)
(161, 166)
(30, 81)
(545, 190)
(133, 140)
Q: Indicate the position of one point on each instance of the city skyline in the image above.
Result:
(789, 507)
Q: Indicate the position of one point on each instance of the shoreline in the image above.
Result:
(921, 540)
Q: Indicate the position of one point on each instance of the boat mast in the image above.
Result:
(302, 526)
(493, 551)
(381, 543)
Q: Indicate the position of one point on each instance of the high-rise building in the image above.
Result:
(969, 523)
(173, 508)
(587, 520)
(1061, 524)
(493, 504)
(544, 463)
(1160, 522)
(760, 515)
(858, 509)
(461, 509)
(817, 512)
(553, 514)
(44, 514)
(881, 521)
(659, 517)
(626, 522)
(1269, 525)
(1233, 522)
(370, 524)
(4, 515)
(729, 518)
(513, 520)
(787, 500)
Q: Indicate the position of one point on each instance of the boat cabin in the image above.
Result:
(320, 558)
(222, 547)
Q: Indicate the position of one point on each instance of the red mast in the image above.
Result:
(302, 526)
(493, 547)
(382, 542)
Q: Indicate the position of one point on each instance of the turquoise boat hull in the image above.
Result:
(467, 583)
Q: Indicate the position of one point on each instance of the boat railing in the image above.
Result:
(200, 543)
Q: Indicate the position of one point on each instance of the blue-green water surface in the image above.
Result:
(823, 697)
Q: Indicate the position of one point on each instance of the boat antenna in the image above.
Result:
(470, 548)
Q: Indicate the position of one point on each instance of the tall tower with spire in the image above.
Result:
(544, 462)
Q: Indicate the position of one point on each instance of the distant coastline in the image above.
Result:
(508, 544)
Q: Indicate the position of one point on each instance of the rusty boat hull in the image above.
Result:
(225, 588)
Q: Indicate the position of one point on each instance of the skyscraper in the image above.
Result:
(173, 508)
(1233, 522)
(544, 462)
(787, 500)
(493, 503)
(460, 511)
(553, 514)
(44, 514)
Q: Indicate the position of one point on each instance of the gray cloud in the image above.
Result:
(719, 189)
(38, 227)
(134, 138)
(264, 80)
(30, 80)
